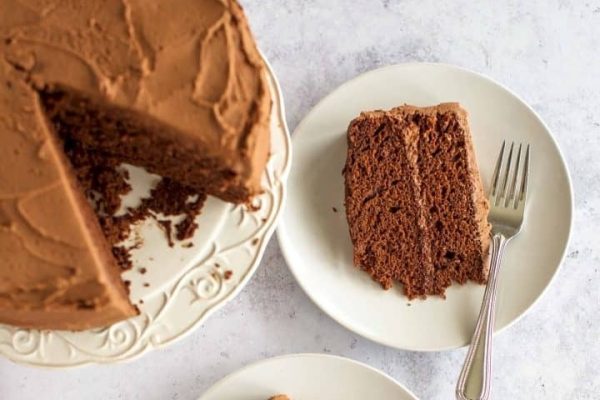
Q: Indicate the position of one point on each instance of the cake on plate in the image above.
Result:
(414, 200)
(178, 88)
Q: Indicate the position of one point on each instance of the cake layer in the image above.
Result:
(414, 201)
(452, 193)
(382, 204)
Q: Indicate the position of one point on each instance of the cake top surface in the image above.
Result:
(191, 64)
(407, 110)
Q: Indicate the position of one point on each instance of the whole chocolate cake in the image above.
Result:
(177, 87)
(414, 200)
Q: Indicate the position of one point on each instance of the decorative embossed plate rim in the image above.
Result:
(190, 298)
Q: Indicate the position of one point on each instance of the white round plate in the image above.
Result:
(308, 377)
(183, 284)
(315, 239)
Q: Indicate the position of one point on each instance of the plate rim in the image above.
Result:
(282, 226)
(222, 381)
(268, 234)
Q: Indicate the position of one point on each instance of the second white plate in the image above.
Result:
(314, 235)
(308, 377)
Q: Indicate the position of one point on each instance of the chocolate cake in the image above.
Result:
(176, 87)
(414, 200)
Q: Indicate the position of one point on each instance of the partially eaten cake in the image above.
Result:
(176, 87)
(414, 200)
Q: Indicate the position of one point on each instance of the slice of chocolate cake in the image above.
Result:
(414, 200)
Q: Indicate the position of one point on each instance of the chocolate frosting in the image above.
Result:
(191, 65)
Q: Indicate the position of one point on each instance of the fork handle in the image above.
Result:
(474, 382)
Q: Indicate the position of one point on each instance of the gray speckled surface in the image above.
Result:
(546, 51)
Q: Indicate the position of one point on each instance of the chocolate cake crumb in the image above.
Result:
(146, 284)
(166, 226)
(104, 183)
(122, 256)
(172, 198)
(141, 301)
(334, 209)
(217, 265)
(227, 274)
(143, 270)
(254, 241)
(253, 207)
(187, 245)
(186, 228)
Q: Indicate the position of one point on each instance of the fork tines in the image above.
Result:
(517, 188)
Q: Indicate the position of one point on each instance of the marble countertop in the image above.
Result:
(546, 51)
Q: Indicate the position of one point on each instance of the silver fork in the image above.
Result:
(507, 212)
